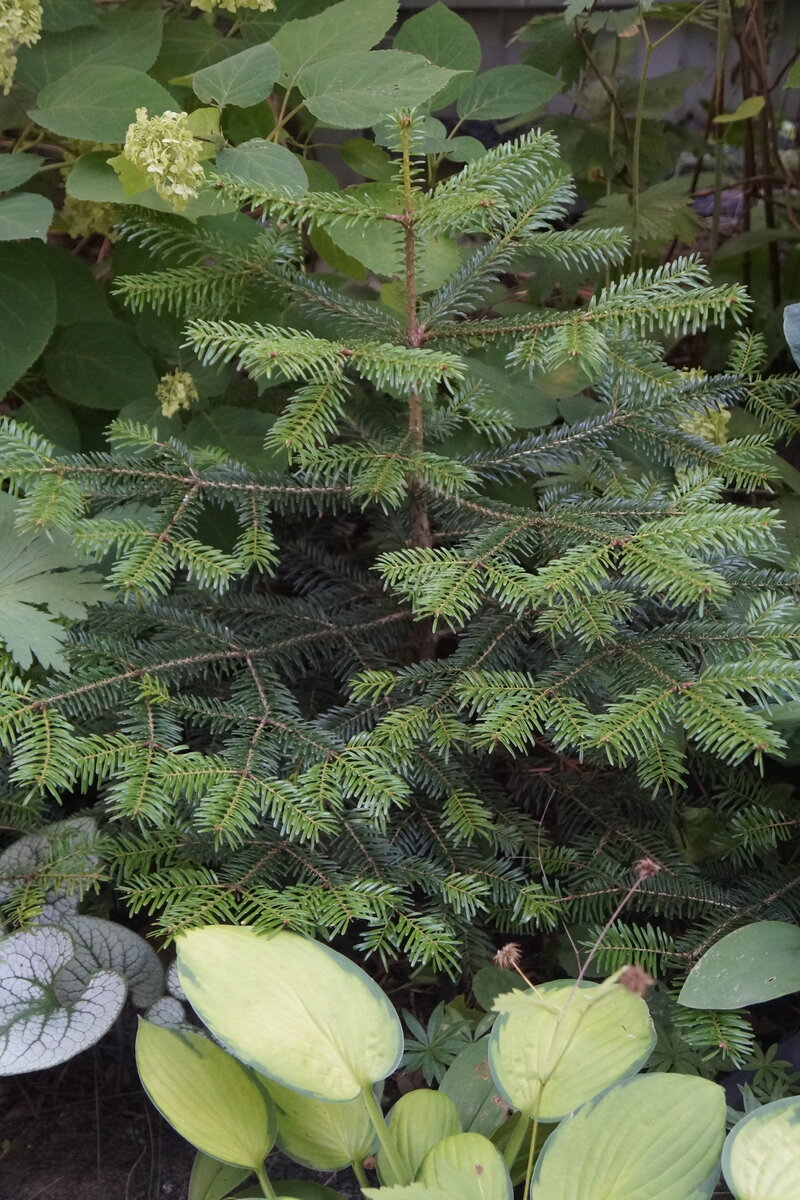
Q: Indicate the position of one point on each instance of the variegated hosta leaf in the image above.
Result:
(100, 944)
(761, 1158)
(38, 1028)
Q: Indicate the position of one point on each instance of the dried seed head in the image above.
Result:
(646, 868)
(509, 956)
(636, 980)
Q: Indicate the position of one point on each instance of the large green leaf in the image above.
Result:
(505, 91)
(467, 1166)
(18, 168)
(321, 1135)
(210, 1098)
(417, 1122)
(127, 37)
(58, 15)
(99, 365)
(25, 215)
(243, 79)
(468, 1081)
(39, 1028)
(293, 1009)
(554, 1048)
(27, 311)
(41, 579)
(656, 1136)
(98, 103)
(757, 963)
(343, 28)
(92, 178)
(446, 39)
(761, 1157)
(263, 165)
(353, 90)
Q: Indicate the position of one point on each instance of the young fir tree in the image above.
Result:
(427, 693)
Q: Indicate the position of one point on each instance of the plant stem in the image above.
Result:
(360, 1173)
(637, 145)
(384, 1137)
(515, 1141)
(526, 1191)
(264, 1183)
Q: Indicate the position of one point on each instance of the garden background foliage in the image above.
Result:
(435, 592)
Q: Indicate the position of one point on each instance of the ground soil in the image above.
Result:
(86, 1131)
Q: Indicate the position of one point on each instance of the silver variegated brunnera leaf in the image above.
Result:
(169, 1012)
(103, 944)
(39, 1026)
(66, 845)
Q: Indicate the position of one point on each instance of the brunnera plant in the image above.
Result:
(335, 677)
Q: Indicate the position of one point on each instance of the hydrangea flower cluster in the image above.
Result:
(165, 147)
(20, 25)
(232, 5)
(176, 391)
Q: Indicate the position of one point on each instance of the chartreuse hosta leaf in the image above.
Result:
(417, 1122)
(467, 1166)
(761, 1158)
(206, 1095)
(213, 1180)
(655, 1136)
(757, 963)
(40, 1027)
(295, 1010)
(318, 1133)
(554, 1048)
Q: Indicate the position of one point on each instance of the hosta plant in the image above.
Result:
(304, 1039)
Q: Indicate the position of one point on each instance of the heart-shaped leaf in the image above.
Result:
(205, 1094)
(417, 1122)
(761, 1158)
(757, 963)
(106, 944)
(554, 1048)
(38, 1028)
(659, 1135)
(295, 1010)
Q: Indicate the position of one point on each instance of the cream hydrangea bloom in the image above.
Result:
(165, 147)
(20, 25)
(176, 391)
(232, 5)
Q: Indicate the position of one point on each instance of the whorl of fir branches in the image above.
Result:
(482, 714)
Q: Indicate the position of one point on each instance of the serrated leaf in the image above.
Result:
(27, 311)
(91, 178)
(99, 365)
(38, 1030)
(344, 27)
(98, 103)
(125, 38)
(16, 169)
(243, 79)
(41, 578)
(350, 91)
(761, 1157)
(264, 166)
(25, 215)
(505, 92)
(446, 39)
